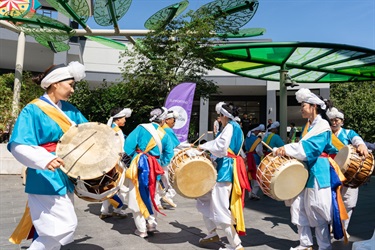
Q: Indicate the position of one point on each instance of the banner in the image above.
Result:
(181, 99)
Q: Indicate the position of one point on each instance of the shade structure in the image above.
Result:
(304, 62)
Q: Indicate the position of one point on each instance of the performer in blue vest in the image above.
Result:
(223, 206)
(38, 128)
(151, 149)
(272, 138)
(313, 206)
(254, 154)
(340, 138)
(116, 121)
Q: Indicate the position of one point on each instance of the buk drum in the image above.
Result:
(192, 175)
(281, 177)
(356, 169)
(91, 153)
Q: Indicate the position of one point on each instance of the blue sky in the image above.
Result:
(349, 22)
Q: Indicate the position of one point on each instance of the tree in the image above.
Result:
(180, 52)
(357, 102)
(29, 91)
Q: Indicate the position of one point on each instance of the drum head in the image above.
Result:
(343, 158)
(89, 150)
(289, 180)
(195, 177)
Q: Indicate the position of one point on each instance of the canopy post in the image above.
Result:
(18, 74)
(283, 105)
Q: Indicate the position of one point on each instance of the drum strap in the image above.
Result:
(336, 142)
(53, 113)
(240, 183)
(157, 135)
(269, 138)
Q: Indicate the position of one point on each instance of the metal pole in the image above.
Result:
(283, 105)
(18, 74)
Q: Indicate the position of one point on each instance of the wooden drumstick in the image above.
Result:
(265, 144)
(200, 137)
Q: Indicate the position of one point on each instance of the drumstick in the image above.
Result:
(200, 137)
(265, 144)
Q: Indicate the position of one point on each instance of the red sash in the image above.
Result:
(251, 166)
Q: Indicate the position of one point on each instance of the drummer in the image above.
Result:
(254, 149)
(151, 149)
(224, 203)
(169, 192)
(38, 128)
(312, 207)
(116, 122)
(272, 139)
(340, 138)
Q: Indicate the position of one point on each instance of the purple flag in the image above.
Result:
(181, 99)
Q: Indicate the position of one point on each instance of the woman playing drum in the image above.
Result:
(230, 184)
(33, 142)
(341, 137)
(312, 207)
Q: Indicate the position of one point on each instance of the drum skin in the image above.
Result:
(89, 150)
(281, 178)
(356, 169)
(192, 177)
(91, 153)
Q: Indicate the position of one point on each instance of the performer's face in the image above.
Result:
(121, 121)
(308, 110)
(64, 89)
(170, 122)
(336, 124)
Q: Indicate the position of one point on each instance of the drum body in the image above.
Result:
(192, 176)
(281, 178)
(91, 153)
(356, 169)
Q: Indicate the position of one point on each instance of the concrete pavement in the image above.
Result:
(267, 224)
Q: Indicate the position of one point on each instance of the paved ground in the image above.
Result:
(267, 222)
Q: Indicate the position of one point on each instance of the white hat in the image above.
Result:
(275, 124)
(172, 114)
(259, 128)
(74, 70)
(158, 114)
(333, 113)
(220, 110)
(305, 95)
(126, 112)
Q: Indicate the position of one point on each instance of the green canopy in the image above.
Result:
(306, 62)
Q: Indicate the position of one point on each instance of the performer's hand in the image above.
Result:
(362, 150)
(55, 163)
(279, 151)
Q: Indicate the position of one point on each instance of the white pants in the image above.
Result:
(313, 208)
(121, 193)
(54, 220)
(214, 207)
(254, 187)
(350, 198)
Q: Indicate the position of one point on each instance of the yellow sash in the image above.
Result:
(305, 129)
(53, 113)
(269, 138)
(132, 172)
(336, 142)
(255, 144)
(236, 199)
(24, 226)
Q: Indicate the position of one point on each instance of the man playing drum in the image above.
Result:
(151, 149)
(340, 138)
(254, 149)
(38, 128)
(116, 121)
(225, 202)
